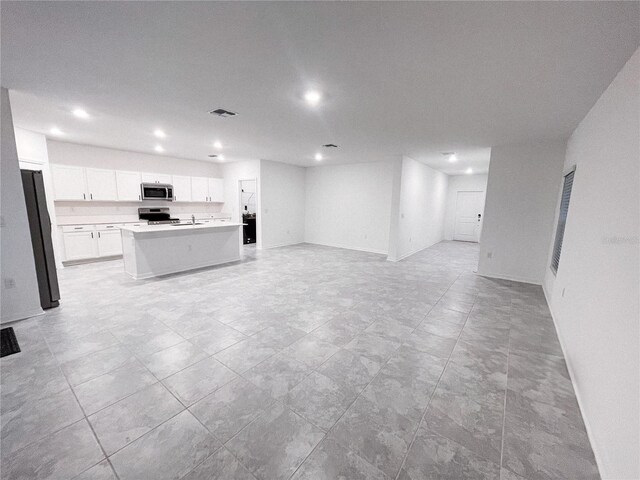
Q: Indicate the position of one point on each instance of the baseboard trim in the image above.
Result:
(570, 369)
(407, 255)
(510, 278)
(281, 245)
(22, 316)
(85, 261)
(367, 250)
(179, 270)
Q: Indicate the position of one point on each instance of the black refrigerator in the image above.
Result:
(40, 227)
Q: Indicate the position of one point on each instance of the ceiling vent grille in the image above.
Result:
(221, 112)
(330, 145)
(212, 156)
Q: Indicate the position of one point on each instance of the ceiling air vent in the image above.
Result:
(221, 112)
(330, 145)
(212, 156)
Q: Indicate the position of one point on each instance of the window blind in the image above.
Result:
(562, 220)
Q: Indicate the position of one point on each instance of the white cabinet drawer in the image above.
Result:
(113, 226)
(78, 228)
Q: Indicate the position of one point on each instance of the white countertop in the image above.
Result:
(178, 227)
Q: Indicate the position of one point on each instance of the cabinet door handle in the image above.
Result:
(91, 195)
(77, 228)
(84, 197)
(139, 197)
(91, 234)
(98, 234)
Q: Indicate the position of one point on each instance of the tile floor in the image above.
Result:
(302, 362)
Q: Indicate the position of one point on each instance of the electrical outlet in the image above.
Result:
(9, 283)
(489, 254)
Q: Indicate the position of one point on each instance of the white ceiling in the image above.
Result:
(416, 79)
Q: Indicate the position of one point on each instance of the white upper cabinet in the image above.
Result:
(199, 189)
(216, 190)
(128, 184)
(101, 184)
(181, 188)
(69, 182)
(155, 178)
(98, 184)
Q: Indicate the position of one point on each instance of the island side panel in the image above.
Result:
(165, 252)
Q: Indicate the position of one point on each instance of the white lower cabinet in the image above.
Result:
(109, 242)
(84, 242)
(80, 244)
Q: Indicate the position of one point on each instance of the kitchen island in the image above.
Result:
(153, 250)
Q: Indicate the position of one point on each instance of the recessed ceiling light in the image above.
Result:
(56, 131)
(159, 133)
(312, 97)
(469, 171)
(80, 113)
(217, 144)
(318, 156)
(158, 148)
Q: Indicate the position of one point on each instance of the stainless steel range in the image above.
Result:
(156, 216)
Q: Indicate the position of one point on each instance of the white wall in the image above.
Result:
(20, 298)
(594, 297)
(460, 183)
(282, 204)
(421, 208)
(518, 217)
(349, 206)
(99, 157)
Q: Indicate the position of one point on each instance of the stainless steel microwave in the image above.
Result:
(156, 191)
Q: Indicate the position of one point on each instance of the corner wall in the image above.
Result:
(594, 297)
(421, 207)
(282, 204)
(20, 297)
(349, 206)
(522, 190)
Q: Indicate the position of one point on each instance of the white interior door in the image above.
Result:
(469, 211)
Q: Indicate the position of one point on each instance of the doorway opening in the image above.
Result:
(248, 209)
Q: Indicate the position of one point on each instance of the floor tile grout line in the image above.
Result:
(504, 410)
(360, 394)
(84, 413)
(424, 413)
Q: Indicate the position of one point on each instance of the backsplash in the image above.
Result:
(69, 213)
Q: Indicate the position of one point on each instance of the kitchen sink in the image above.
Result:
(185, 224)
